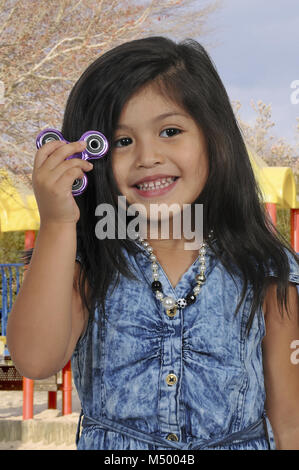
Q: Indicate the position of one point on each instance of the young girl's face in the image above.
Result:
(155, 140)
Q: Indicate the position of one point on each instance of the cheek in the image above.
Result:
(118, 171)
(197, 170)
(196, 163)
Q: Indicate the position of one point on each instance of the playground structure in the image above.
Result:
(279, 192)
(19, 212)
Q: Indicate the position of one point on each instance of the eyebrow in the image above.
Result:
(160, 117)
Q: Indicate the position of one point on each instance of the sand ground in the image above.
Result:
(11, 408)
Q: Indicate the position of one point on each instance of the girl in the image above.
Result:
(171, 348)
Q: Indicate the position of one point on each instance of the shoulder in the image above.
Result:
(281, 373)
(293, 262)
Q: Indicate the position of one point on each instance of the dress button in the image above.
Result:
(171, 379)
(172, 437)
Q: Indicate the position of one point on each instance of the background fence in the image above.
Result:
(10, 282)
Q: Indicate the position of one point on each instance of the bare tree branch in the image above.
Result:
(46, 52)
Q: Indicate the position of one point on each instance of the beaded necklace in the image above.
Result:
(169, 303)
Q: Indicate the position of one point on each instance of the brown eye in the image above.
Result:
(123, 142)
(170, 132)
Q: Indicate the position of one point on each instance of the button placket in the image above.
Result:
(171, 365)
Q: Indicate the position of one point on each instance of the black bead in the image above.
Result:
(190, 299)
(156, 285)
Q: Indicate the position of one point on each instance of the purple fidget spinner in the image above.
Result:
(96, 147)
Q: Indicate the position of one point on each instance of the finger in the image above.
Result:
(49, 178)
(68, 165)
(60, 153)
(66, 180)
(45, 151)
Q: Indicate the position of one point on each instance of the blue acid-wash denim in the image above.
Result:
(121, 363)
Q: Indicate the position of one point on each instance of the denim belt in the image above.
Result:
(257, 430)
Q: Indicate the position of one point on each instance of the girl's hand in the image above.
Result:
(52, 180)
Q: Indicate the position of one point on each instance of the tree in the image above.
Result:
(47, 45)
(274, 151)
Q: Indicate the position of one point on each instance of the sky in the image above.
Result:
(255, 47)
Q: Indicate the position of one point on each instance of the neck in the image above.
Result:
(169, 245)
(172, 243)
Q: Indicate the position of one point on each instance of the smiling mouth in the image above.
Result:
(157, 184)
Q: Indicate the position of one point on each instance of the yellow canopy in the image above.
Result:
(18, 207)
(277, 183)
(19, 211)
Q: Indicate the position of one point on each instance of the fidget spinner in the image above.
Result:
(96, 147)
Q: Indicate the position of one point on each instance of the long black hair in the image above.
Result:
(232, 202)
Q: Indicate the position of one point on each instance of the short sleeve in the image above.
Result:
(294, 268)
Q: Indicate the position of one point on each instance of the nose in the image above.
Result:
(148, 155)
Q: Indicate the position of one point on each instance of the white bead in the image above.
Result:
(154, 266)
(196, 289)
(168, 302)
(145, 244)
(159, 295)
(149, 249)
(153, 257)
(181, 303)
(155, 276)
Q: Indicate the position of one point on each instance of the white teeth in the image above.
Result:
(158, 184)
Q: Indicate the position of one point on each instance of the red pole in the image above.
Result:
(28, 389)
(28, 384)
(271, 209)
(295, 229)
(67, 389)
(52, 400)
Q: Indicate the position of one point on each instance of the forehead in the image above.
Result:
(150, 101)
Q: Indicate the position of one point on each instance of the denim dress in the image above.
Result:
(148, 381)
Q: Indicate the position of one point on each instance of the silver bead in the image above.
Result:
(149, 249)
(153, 257)
(145, 244)
(168, 302)
(200, 277)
